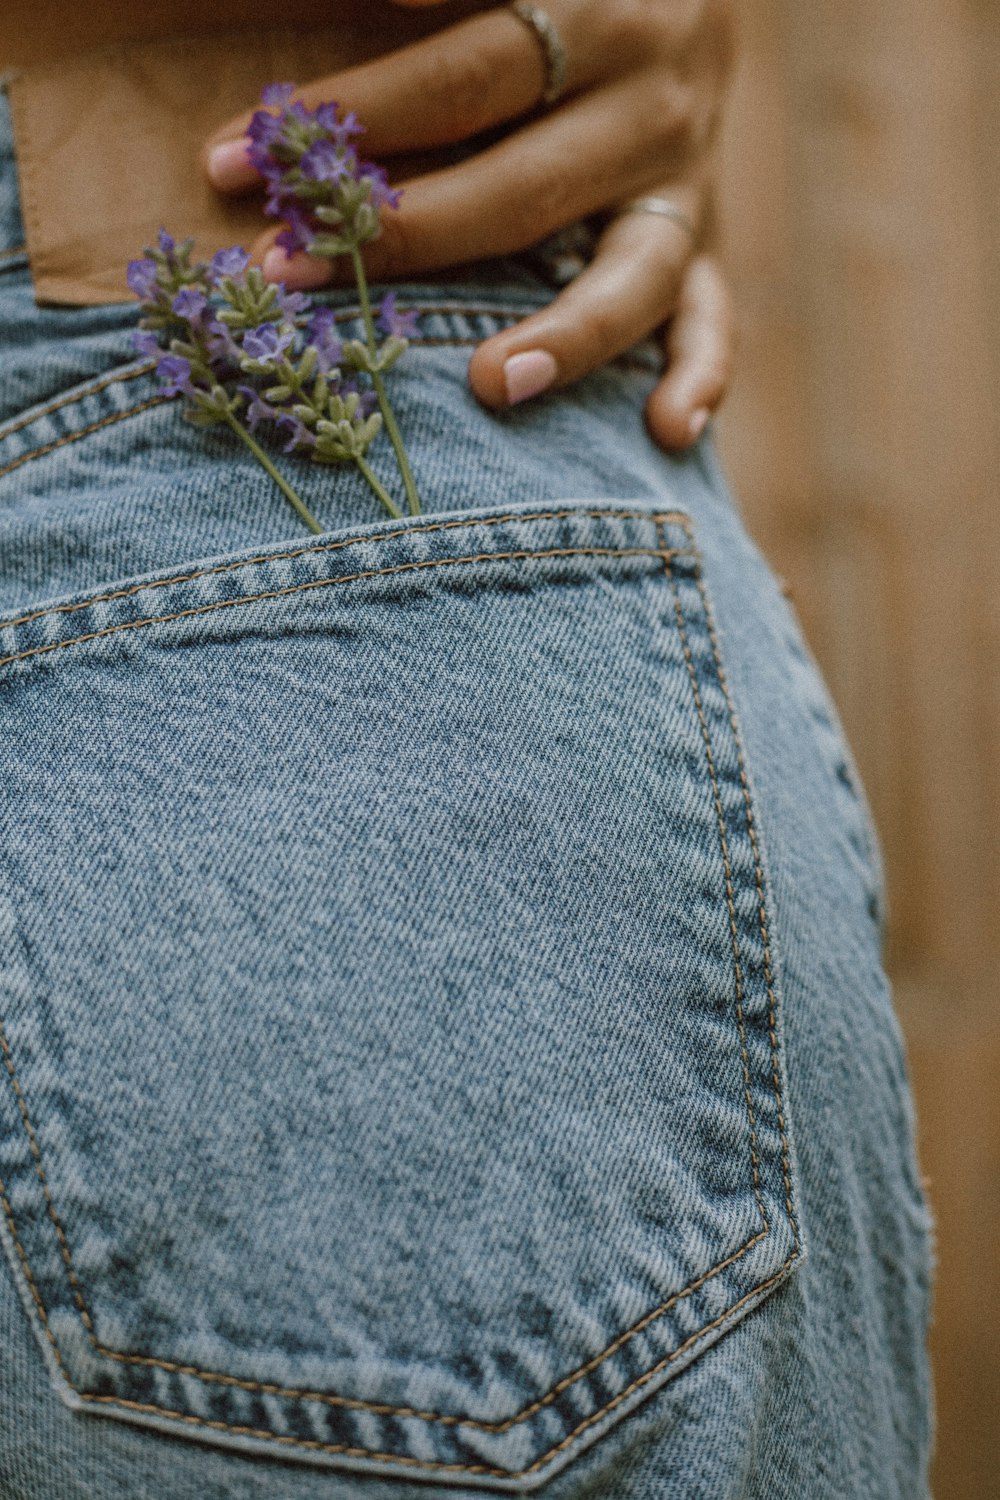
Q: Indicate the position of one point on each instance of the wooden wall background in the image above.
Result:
(861, 207)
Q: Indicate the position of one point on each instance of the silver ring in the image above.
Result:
(542, 25)
(666, 209)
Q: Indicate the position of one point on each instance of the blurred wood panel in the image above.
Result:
(862, 213)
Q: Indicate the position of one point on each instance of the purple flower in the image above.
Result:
(343, 130)
(298, 232)
(145, 343)
(166, 242)
(291, 303)
(175, 373)
(382, 195)
(231, 262)
(262, 138)
(276, 95)
(264, 130)
(141, 277)
(190, 303)
(267, 343)
(324, 162)
(299, 434)
(258, 410)
(401, 325)
(223, 350)
(321, 332)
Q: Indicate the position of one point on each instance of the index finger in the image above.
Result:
(476, 74)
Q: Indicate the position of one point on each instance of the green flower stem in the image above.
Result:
(379, 488)
(304, 512)
(388, 416)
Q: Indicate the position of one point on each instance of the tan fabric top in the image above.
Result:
(109, 141)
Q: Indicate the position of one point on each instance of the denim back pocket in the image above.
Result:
(391, 1070)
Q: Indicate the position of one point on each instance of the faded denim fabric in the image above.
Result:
(444, 1041)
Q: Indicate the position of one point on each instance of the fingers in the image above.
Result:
(476, 74)
(520, 190)
(699, 348)
(630, 287)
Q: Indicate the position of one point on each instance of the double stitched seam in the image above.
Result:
(119, 376)
(639, 1382)
(351, 541)
(728, 878)
(132, 411)
(772, 1025)
(322, 583)
(72, 437)
(116, 377)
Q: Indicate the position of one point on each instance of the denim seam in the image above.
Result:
(349, 315)
(761, 907)
(115, 377)
(13, 251)
(313, 548)
(78, 396)
(316, 1445)
(319, 583)
(728, 879)
(71, 437)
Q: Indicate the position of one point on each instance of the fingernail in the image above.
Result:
(698, 423)
(227, 164)
(298, 271)
(528, 374)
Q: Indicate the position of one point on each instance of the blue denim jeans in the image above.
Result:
(444, 1041)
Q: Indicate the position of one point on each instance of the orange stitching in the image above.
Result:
(551, 1395)
(761, 906)
(116, 378)
(351, 541)
(380, 1409)
(730, 901)
(22, 1105)
(314, 1445)
(70, 397)
(71, 437)
(14, 250)
(448, 309)
(36, 1296)
(320, 583)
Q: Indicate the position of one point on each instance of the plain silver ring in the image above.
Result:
(541, 24)
(666, 209)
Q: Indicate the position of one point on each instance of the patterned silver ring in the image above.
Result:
(542, 25)
(666, 209)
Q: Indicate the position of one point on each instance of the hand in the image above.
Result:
(638, 118)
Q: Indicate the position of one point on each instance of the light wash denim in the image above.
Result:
(445, 1047)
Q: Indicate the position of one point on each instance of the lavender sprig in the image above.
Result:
(231, 343)
(330, 202)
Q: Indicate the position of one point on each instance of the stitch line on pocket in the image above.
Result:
(307, 549)
(772, 1020)
(319, 583)
(428, 342)
(91, 388)
(728, 878)
(379, 1408)
(72, 437)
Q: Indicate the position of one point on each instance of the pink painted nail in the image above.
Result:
(300, 272)
(698, 423)
(228, 164)
(528, 374)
